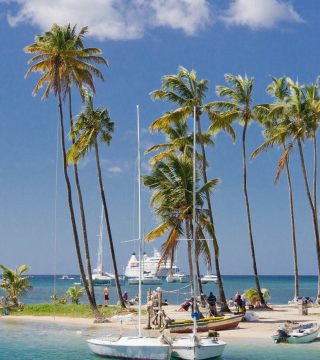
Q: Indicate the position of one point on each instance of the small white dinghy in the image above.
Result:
(136, 348)
(301, 334)
(195, 347)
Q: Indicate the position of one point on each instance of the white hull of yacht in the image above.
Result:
(130, 348)
(202, 348)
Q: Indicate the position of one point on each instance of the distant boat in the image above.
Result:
(301, 334)
(146, 279)
(66, 277)
(150, 265)
(177, 277)
(209, 278)
(100, 277)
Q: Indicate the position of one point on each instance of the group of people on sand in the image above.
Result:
(202, 301)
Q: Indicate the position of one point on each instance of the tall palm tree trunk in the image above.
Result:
(105, 209)
(223, 300)
(315, 172)
(199, 275)
(82, 215)
(189, 248)
(71, 210)
(253, 255)
(314, 214)
(293, 229)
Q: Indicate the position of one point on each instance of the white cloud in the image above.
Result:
(115, 169)
(114, 19)
(258, 14)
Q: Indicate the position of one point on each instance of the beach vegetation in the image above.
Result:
(68, 310)
(15, 284)
(74, 293)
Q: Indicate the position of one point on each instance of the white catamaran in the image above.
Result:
(134, 347)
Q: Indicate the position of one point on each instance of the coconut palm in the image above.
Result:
(172, 184)
(93, 126)
(279, 90)
(188, 93)
(14, 283)
(60, 60)
(238, 107)
(298, 124)
(81, 77)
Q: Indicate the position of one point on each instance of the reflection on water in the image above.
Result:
(22, 340)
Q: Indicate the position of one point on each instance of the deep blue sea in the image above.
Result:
(280, 287)
(25, 340)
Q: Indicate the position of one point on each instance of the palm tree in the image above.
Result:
(74, 293)
(14, 283)
(274, 134)
(80, 77)
(172, 184)
(91, 127)
(185, 91)
(238, 107)
(298, 125)
(59, 59)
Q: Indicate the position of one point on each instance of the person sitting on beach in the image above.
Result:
(125, 296)
(230, 302)
(211, 300)
(165, 303)
(185, 306)
(106, 296)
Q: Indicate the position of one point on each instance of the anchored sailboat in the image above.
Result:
(196, 347)
(134, 347)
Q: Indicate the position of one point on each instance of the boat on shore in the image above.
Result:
(133, 347)
(213, 323)
(297, 334)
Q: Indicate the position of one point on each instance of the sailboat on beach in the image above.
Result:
(133, 347)
(194, 346)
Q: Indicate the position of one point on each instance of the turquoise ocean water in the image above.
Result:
(281, 288)
(24, 340)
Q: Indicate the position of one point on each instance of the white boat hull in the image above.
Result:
(207, 348)
(145, 281)
(130, 348)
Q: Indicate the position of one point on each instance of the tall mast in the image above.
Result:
(194, 223)
(139, 217)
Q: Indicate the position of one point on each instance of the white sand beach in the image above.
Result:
(266, 326)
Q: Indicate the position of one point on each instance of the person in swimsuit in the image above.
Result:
(106, 296)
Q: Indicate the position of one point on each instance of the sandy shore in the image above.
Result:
(267, 324)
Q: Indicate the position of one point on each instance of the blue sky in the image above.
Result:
(142, 41)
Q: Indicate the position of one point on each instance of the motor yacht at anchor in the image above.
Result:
(177, 277)
(209, 278)
(146, 279)
(150, 265)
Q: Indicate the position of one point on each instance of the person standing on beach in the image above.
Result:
(106, 296)
(211, 300)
